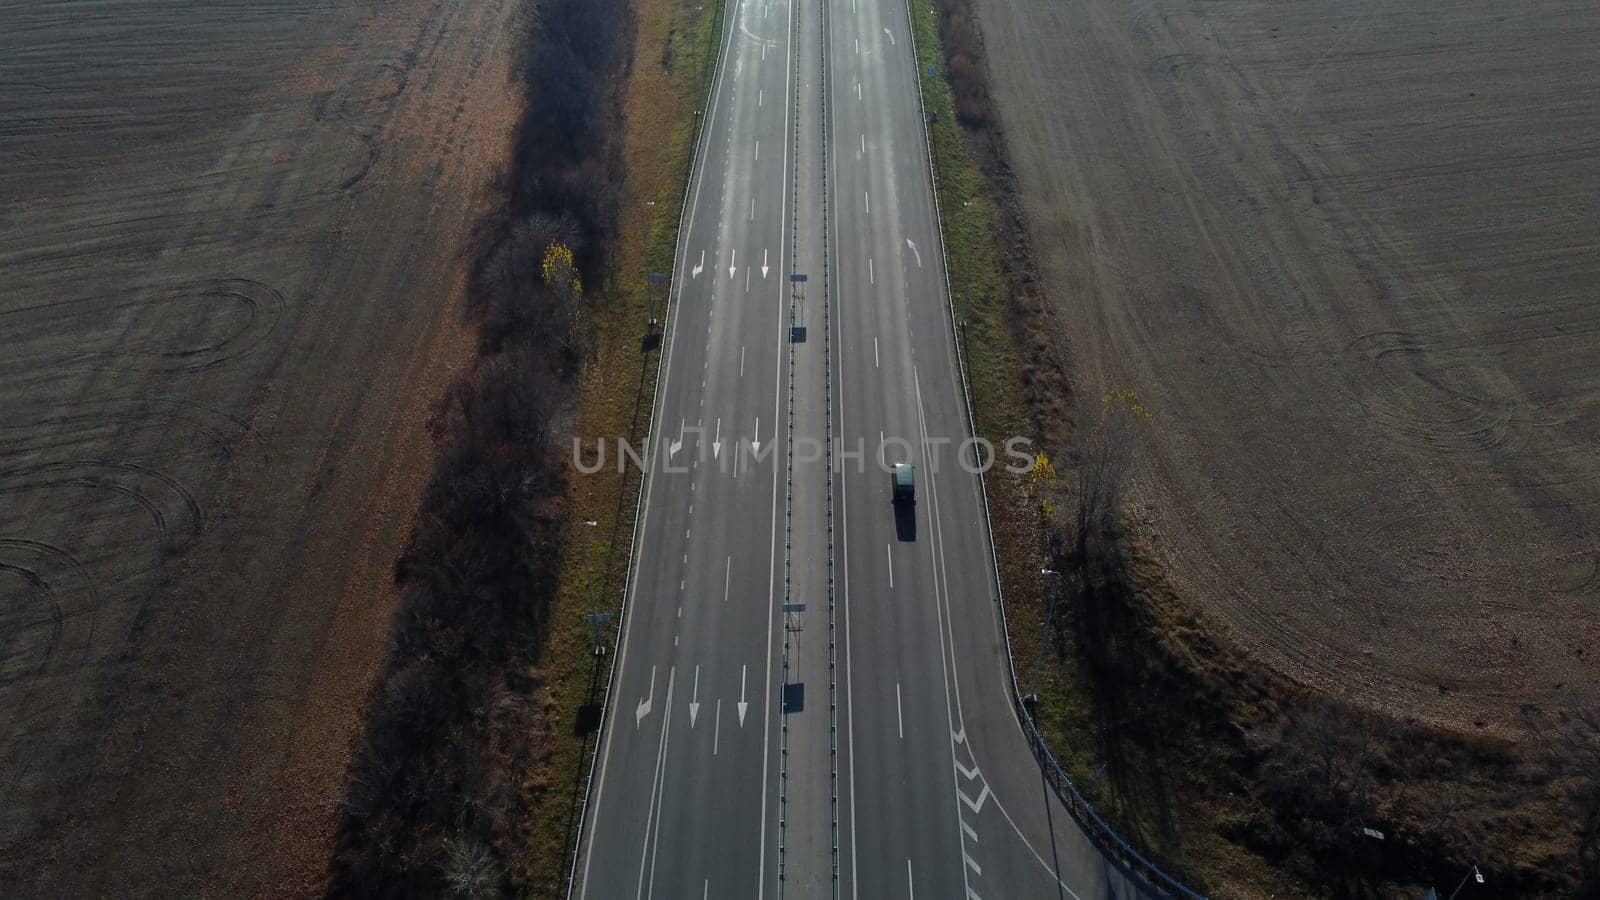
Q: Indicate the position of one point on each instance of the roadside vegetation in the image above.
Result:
(1233, 780)
(443, 787)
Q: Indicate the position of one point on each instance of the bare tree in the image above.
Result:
(1104, 469)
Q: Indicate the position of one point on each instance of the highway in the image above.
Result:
(811, 697)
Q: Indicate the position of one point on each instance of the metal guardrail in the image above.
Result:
(1098, 829)
(723, 43)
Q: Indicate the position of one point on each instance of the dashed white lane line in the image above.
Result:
(871, 278)
(899, 720)
(911, 886)
(875, 353)
(868, 196)
(888, 553)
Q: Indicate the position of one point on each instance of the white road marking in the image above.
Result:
(760, 96)
(871, 278)
(868, 196)
(752, 209)
(976, 869)
(914, 252)
(911, 887)
(763, 262)
(975, 805)
(694, 698)
(655, 790)
(716, 729)
(643, 709)
(758, 151)
(699, 266)
(970, 832)
(741, 360)
(755, 442)
(727, 578)
(716, 442)
(863, 142)
(888, 554)
(890, 34)
(875, 353)
(899, 720)
(858, 90)
(733, 257)
(742, 706)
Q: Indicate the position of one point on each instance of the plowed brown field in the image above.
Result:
(1349, 255)
(231, 240)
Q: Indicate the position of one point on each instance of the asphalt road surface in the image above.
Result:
(811, 698)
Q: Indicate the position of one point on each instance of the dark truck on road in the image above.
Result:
(904, 482)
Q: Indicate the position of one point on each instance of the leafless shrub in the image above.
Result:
(471, 870)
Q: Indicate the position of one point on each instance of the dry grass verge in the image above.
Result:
(1229, 776)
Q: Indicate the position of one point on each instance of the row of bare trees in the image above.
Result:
(440, 798)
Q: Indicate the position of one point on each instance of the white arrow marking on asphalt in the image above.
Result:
(763, 263)
(694, 698)
(699, 267)
(643, 709)
(755, 442)
(914, 251)
(716, 444)
(742, 705)
(891, 36)
(733, 255)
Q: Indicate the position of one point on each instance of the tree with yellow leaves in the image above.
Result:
(559, 269)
